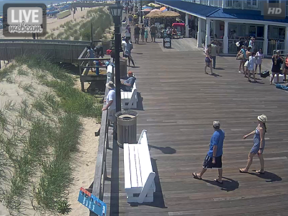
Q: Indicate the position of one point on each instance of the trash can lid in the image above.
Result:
(126, 117)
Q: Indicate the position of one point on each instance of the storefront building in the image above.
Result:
(228, 20)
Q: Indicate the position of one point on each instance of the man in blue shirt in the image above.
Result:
(213, 158)
(127, 85)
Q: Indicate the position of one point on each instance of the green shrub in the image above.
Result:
(60, 35)
(76, 38)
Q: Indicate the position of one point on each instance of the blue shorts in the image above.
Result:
(208, 162)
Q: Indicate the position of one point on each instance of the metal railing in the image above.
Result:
(275, 45)
(233, 49)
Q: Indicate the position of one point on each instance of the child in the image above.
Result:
(146, 34)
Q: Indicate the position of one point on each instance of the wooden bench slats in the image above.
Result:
(138, 167)
(139, 176)
(127, 166)
(133, 166)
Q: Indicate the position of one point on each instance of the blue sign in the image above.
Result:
(92, 203)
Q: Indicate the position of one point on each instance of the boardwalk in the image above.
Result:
(179, 104)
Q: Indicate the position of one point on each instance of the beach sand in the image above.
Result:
(84, 160)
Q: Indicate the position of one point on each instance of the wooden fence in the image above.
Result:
(54, 50)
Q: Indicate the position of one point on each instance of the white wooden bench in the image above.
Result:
(139, 176)
(129, 99)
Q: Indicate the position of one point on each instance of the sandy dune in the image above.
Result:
(84, 160)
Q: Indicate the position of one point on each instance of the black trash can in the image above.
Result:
(126, 127)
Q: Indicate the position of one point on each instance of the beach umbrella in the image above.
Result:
(154, 10)
(154, 14)
(146, 7)
(147, 10)
(154, 5)
(163, 9)
(170, 14)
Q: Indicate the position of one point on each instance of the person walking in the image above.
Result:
(213, 158)
(127, 51)
(251, 66)
(276, 66)
(142, 33)
(252, 44)
(213, 53)
(153, 32)
(110, 102)
(248, 54)
(259, 56)
(146, 35)
(128, 32)
(208, 59)
(136, 34)
(259, 144)
(242, 57)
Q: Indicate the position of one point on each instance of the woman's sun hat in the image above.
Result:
(262, 118)
(110, 85)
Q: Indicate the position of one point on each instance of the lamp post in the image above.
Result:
(116, 12)
(141, 20)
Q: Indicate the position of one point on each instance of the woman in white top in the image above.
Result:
(259, 56)
(251, 66)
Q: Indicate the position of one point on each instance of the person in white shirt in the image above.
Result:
(259, 56)
(110, 102)
(251, 66)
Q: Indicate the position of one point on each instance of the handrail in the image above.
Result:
(100, 168)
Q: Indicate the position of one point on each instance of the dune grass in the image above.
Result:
(44, 147)
(51, 191)
(72, 101)
(6, 71)
(100, 19)
(24, 163)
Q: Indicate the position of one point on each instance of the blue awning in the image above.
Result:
(217, 12)
(248, 15)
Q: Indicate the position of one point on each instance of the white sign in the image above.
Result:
(25, 19)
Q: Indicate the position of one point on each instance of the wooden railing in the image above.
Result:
(55, 50)
(100, 169)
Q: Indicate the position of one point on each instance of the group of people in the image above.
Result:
(143, 32)
(213, 159)
(249, 61)
(95, 52)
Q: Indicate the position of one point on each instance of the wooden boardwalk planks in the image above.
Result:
(179, 104)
